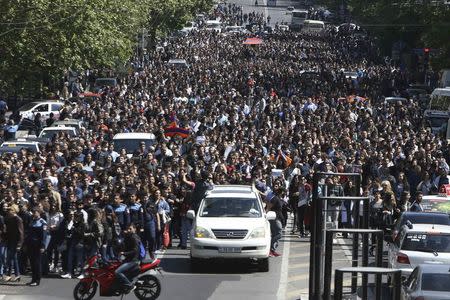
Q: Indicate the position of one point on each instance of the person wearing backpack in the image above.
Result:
(132, 253)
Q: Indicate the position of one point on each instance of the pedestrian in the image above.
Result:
(14, 242)
(417, 204)
(276, 225)
(36, 242)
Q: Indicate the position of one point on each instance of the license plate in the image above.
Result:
(229, 250)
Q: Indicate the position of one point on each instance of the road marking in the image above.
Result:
(297, 255)
(281, 294)
(302, 265)
(299, 277)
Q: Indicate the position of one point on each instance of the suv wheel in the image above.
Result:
(263, 265)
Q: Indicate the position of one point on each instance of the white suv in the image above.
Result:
(419, 244)
(231, 223)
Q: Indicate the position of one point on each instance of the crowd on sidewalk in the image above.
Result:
(284, 104)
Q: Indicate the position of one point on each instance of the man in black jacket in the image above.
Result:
(131, 252)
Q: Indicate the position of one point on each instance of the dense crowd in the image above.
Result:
(285, 104)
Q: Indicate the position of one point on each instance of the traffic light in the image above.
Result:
(426, 57)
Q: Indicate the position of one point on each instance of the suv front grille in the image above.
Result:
(234, 234)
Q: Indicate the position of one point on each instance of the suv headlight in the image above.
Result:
(259, 232)
(201, 232)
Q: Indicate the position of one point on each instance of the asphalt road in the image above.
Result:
(219, 280)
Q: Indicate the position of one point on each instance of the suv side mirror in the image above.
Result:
(271, 215)
(190, 214)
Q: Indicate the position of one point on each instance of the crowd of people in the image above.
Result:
(285, 104)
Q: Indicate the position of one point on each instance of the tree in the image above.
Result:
(40, 39)
(418, 24)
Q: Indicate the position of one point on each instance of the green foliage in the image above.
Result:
(417, 23)
(40, 39)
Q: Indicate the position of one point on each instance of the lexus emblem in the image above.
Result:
(230, 234)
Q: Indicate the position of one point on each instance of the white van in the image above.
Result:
(231, 223)
(130, 141)
(313, 26)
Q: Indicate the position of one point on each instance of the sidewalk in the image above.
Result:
(298, 264)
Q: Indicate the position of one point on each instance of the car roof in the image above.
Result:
(59, 128)
(134, 135)
(435, 268)
(70, 121)
(429, 228)
(20, 142)
(232, 191)
(176, 61)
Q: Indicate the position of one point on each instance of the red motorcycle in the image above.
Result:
(97, 273)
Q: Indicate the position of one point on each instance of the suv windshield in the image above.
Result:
(131, 145)
(231, 207)
(426, 242)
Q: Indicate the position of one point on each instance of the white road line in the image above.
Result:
(281, 294)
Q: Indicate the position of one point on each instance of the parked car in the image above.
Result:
(419, 218)
(231, 224)
(178, 63)
(419, 244)
(428, 281)
(50, 132)
(23, 143)
(130, 141)
(394, 100)
(44, 108)
(75, 123)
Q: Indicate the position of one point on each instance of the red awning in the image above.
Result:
(253, 41)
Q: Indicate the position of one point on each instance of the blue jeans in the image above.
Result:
(107, 252)
(12, 261)
(275, 229)
(186, 226)
(74, 250)
(120, 273)
(2, 258)
(150, 236)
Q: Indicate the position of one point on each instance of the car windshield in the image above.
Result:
(426, 242)
(131, 145)
(437, 122)
(51, 133)
(436, 282)
(231, 207)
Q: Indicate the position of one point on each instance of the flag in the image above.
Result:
(174, 130)
(287, 159)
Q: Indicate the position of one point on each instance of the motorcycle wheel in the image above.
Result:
(148, 287)
(82, 292)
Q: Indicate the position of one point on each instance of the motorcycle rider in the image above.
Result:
(131, 251)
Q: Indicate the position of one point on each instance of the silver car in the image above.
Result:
(428, 282)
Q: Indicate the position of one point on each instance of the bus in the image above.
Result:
(298, 18)
(438, 110)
